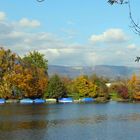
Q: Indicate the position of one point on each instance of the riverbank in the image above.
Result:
(65, 100)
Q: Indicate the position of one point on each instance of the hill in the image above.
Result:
(100, 70)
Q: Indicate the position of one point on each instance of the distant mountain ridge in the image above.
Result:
(100, 70)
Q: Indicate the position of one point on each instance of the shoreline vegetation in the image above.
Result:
(27, 78)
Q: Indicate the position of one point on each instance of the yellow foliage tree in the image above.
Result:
(84, 87)
(132, 84)
(5, 90)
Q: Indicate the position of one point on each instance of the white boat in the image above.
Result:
(65, 100)
(26, 101)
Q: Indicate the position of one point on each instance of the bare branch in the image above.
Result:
(117, 2)
(40, 0)
(135, 26)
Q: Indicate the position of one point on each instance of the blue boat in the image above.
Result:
(39, 101)
(26, 101)
(65, 100)
(2, 101)
(88, 99)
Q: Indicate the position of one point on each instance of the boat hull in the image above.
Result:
(65, 100)
(39, 101)
(26, 101)
(2, 101)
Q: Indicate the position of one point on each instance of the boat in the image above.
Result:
(39, 101)
(26, 101)
(51, 100)
(65, 100)
(2, 101)
(12, 101)
(77, 101)
(88, 99)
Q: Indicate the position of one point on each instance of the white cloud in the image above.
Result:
(24, 22)
(92, 58)
(131, 46)
(2, 16)
(120, 53)
(60, 52)
(70, 33)
(110, 36)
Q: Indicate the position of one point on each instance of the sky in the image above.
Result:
(71, 32)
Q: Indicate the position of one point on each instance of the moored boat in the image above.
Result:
(12, 101)
(77, 101)
(2, 101)
(51, 100)
(87, 99)
(26, 101)
(39, 101)
(65, 100)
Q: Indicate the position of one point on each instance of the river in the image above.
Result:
(110, 121)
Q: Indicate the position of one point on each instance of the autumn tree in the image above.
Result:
(134, 87)
(122, 91)
(8, 60)
(37, 66)
(31, 81)
(56, 88)
(102, 89)
(19, 78)
(132, 84)
(68, 84)
(5, 89)
(84, 87)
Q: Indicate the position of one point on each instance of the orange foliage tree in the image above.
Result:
(31, 81)
(20, 79)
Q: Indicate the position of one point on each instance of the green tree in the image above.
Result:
(56, 88)
(37, 59)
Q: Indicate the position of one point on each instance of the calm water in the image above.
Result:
(111, 121)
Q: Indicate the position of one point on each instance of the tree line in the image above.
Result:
(27, 77)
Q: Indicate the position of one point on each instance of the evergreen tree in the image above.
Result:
(56, 88)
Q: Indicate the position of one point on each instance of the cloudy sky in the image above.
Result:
(71, 32)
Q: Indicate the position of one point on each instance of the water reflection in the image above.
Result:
(43, 124)
(13, 126)
(47, 122)
(22, 121)
(130, 117)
